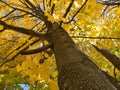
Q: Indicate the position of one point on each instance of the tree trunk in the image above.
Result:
(75, 70)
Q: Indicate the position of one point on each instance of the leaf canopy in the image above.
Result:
(86, 21)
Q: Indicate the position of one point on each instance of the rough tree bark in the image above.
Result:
(76, 71)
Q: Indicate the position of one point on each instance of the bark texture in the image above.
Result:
(75, 69)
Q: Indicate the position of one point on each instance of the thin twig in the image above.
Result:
(76, 12)
(9, 59)
(8, 14)
(5, 61)
(67, 10)
(17, 49)
(37, 11)
(104, 10)
(52, 9)
(111, 8)
(95, 37)
(44, 5)
(15, 17)
(38, 50)
(109, 3)
(50, 2)
(30, 13)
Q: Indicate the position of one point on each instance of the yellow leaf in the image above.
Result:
(50, 17)
(1, 27)
(53, 85)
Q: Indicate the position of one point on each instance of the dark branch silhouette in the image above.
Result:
(21, 30)
(95, 37)
(33, 10)
(19, 9)
(38, 50)
(109, 2)
(111, 57)
(52, 9)
(8, 14)
(18, 48)
(18, 53)
(68, 9)
(44, 5)
(76, 12)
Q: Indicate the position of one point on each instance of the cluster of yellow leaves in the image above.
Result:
(38, 72)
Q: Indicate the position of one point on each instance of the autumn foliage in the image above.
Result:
(26, 56)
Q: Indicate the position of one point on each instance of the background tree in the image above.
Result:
(41, 25)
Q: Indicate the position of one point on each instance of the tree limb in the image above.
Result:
(5, 61)
(8, 14)
(22, 10)
(44, 5)
(18, 53)
(68, 9)
(95, 37)
(22, 30)
(76, 12)
(38, 50)
(37, 11)
(111, 57)
(109, 2)
(18, 48)
(52, 9)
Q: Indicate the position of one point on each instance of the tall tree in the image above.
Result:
(41, 22)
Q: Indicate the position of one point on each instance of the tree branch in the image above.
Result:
(22, 10)
(8, 14)
(18, 48)
(14, 17)
(50, 2)
(37, 11)
(111, 57)
(8, 60)
(76, 12)
(109, 2)
(22, 30)
(52, 9)
(94, 37)
(38, 50)
(33, 10)
(1, 64)
(44, 5)
(68, 9)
